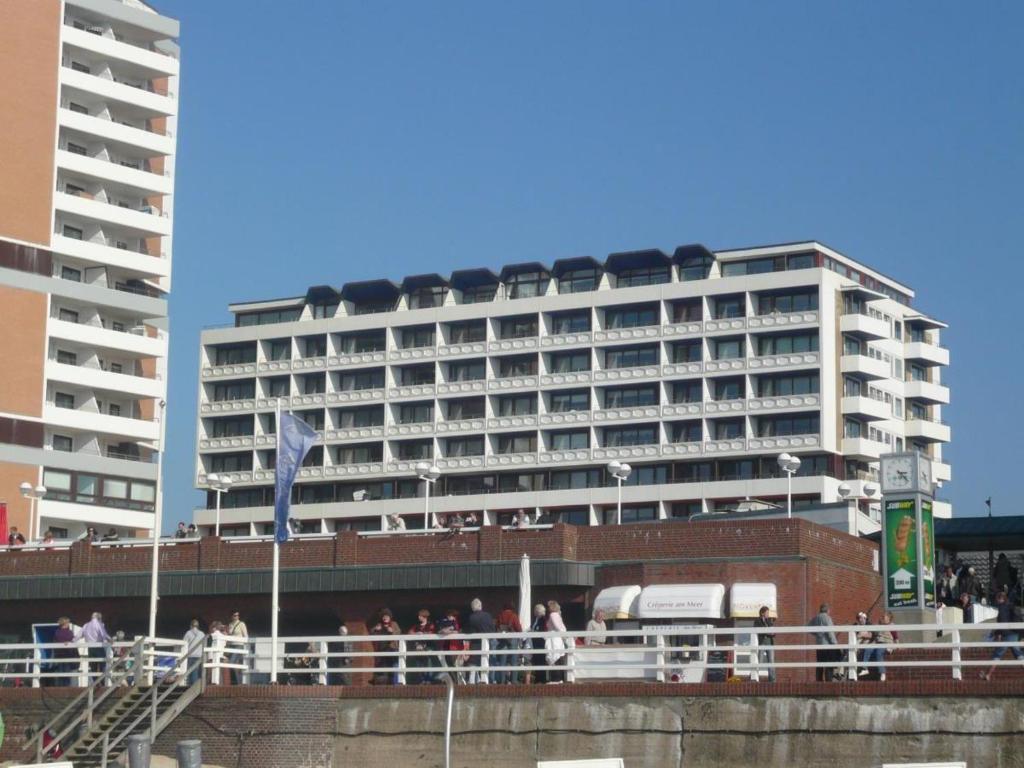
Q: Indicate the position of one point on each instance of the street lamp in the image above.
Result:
(789, 465)
(218, 484)
(844, 491)
(620, 471)
(428, 473)
(33, 495)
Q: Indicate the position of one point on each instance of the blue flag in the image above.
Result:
(294, 439)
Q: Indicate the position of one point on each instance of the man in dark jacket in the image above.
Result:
(766, 641)
(970, 585)
(479, 622)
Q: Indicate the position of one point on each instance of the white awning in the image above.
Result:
(746, 599)
(618, 602)
(681, 601)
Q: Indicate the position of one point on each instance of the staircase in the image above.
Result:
(144, 697)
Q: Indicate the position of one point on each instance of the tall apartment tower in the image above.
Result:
(521, 386)
(87, 142)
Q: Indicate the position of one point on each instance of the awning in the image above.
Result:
(681, 601)
(746, 599)
(618, 602)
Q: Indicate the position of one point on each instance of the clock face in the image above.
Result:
(898, 474)
(924, 471)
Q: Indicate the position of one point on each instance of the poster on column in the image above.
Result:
(928, 552)
(901, 555)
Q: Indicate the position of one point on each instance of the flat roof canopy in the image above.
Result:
(618, 602)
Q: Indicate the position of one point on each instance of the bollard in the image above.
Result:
(190, 753)
(138, 751)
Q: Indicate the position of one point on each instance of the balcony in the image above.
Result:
(239, 442)
(227, 406)
(411, 430)
(155, 103)
(922, 351)
(355, 433)
(411, 390)
(98, 336)
(784, 362)
(725, 407)
(512, 459)
(151, 63)
(866, 407)
(461, 425)
(499, 423)
(356, 358)
(784, 403)
(159, 144)
(677, 410)
(782, 320)
(642, 333)
(563, 379)
(142, 183)
(413, 353)
(927, 430)
(231, 370)
(864, 326)
(511, 382)
(523, 344)
(94, 377)
(566, 340)
(354, 470)
(865, 367)
(565, 418)
(726, 365)
(942, 472)
(621, 374)
(460, 349)
(784, 442)
(461, 387)
(141, 265)
(355, 396)
(675, 330)
(146, 222)
(927, 391)
(94, 421)
(460, 462)
(607, 453)
(864, 449)
(634, 413)
(724, 325)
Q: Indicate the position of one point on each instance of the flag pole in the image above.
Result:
(275, 579)
(157, 520)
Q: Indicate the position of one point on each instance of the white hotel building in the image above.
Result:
(697, 368)
(87, 148)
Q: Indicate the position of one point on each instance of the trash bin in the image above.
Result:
(138, 751)
(190, 753)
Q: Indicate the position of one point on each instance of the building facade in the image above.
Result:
(698, 369)
(87, 146)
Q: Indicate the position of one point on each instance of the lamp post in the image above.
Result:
(33, 495)
(428, 473)
(620, 471)
(218, 484)
(789, 465)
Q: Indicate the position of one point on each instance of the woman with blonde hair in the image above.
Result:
(556, 642)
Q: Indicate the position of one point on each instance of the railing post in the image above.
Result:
(659, 644)
(217, 657)
(485, 661)
(401, 662)
(88, 710)
(851, 656)
(755, 657)
(570, 660)
(321, 662)
(152, 712)
(958, 673)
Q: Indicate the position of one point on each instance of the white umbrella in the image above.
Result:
(525, 608)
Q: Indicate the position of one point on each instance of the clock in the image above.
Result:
(898, 473)
(924, 474)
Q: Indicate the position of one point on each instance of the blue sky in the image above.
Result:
(323, 142)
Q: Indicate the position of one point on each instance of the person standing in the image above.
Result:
(766, 641)
(1004, 615)
(537, 642)
(970, 584)
(826, 640)
(886, 641)
(236, 628)
(195, 639)
(451, 656)
(479, 622)
(421, 645)
(95, 634)
(597, 624)
(556, 644)
(182, 532)
(386, 627)
(15, 539)
(65, 656)
(338, 657)
(508, 622)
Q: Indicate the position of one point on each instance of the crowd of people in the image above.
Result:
(874, 646)
(959, 584)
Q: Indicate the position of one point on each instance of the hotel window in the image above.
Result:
(416, 413)
(695, 267)
(517, 405)
(267, 317)
(467, 370)
(570, 322)
(688, 391)
(354, 418)
(728, 349)
(688, 351)
(324, 311)
(464, 446)
(570, 440)
(67, 315)
(63, 443)
(687, 311)
(917, 334)
(82, 110)
(686, 509)
(67, 358)
(364, 341)
(631, 357)
(468, 408)
(358, 454)
(728, 307)
(220, 462)
(628, 278)
(687, 432)
(852, 346)
(566, 402)
(728, 429)
(749, 267)
(632, 317)
(427, 297)
(415, 449)
(417, 337)
(728, 389)
(114, 367)
(467, 332)
(852, 428)
(790, 424)
(787, 344)
(77, 66)
(518, 327)
(521, 443)
(236, 354)
(526, 285)
(64, 400)
(631, 513)
(575, 478)
(279, 349)
(917, 373)
(479, 294)
(630, 397)
(520, 482)
(313, 383)
(782, 303)
(313, 346)
(72, 232)
(70, 273)
(788, 384)
(417, 375)
(569, 362)
(234, 390)
(579, 281)
(522, 365)
(114, 409)
(234, 426)
(277, 387)
(632, 435)
(650, 474)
